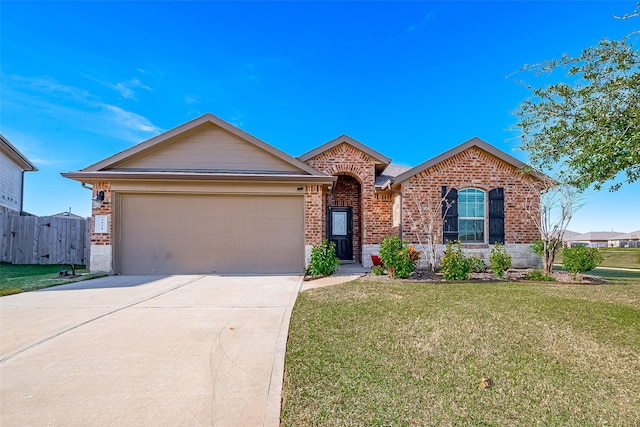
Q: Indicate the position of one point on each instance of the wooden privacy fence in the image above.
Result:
(44, 240)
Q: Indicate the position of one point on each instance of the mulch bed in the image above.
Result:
(512, 275)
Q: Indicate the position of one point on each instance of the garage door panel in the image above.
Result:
(171, 234)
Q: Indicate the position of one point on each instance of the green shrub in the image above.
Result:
(398, 257)
(477, 265)
(323, 259)
(538, 245)
(539, 276)
(580, 259)
(454, 265)
(377, 270)
(500, 260)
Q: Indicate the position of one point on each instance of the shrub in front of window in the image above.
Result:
(477, 265)
(500, 260)
(454, 265)
(580, 259)
(323, 259)
(398, 257)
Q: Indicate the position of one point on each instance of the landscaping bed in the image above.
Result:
(511, 275)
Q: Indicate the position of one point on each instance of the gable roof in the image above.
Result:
(190, 126)
(381, 159)
(473, 142)
(15, 155)
(110, 168)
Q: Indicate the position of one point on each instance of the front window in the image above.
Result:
(471, 216)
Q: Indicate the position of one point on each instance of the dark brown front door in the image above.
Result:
(340, 231)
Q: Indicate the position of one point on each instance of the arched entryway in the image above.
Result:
(344, 218)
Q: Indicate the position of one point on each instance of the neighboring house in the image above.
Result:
(594, 239)
(569, 236)
(208, 197)
(67, 215)
(13, 165)
(626, 240)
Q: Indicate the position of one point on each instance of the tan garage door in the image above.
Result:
(177, 234)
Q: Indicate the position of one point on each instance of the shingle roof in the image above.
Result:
(634, 235)
(390, 172)
(593, 236)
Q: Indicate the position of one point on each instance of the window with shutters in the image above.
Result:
(471, 215)
(464, 215)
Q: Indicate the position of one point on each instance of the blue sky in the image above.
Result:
(81, 81)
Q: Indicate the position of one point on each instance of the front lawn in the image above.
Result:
(16, 278)
(393, 353)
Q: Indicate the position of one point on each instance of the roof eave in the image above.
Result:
(18, 157)
(84, 176)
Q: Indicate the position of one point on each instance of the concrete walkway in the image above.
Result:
(345, 273)
(146, 350)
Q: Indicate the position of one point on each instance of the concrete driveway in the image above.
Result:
(146, 350)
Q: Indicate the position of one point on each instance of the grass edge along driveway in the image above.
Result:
(392, 353)
(17, 278)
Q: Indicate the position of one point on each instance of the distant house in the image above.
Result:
(594, 239)
(67, 215)
(627, 240)
(13, 165)
(568, 237)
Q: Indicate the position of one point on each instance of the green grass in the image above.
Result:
(615, 257)
(23, 278)
(392, 353)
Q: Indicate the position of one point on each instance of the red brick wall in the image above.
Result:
(474, 168)
(346, 193)
(314, 215)
(345, 159)
(104, 209)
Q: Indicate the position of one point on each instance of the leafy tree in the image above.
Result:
(589, 125)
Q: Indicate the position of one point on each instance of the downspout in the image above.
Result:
(399, 193)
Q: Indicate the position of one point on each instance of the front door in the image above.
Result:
(340, 231)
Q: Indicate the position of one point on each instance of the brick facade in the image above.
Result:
(344, 159)
(104, 209)
(474, 168)
(346, 193)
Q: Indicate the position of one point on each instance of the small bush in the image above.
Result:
(478, 265)
(377, 270)
(398, 257)
(580, 259)
(539, 276)
(323, 259)
(454, 265)
(500, 260)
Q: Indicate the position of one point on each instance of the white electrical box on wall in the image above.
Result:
(101, 224)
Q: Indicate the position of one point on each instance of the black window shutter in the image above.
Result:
(496, 216)
(450, 216)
